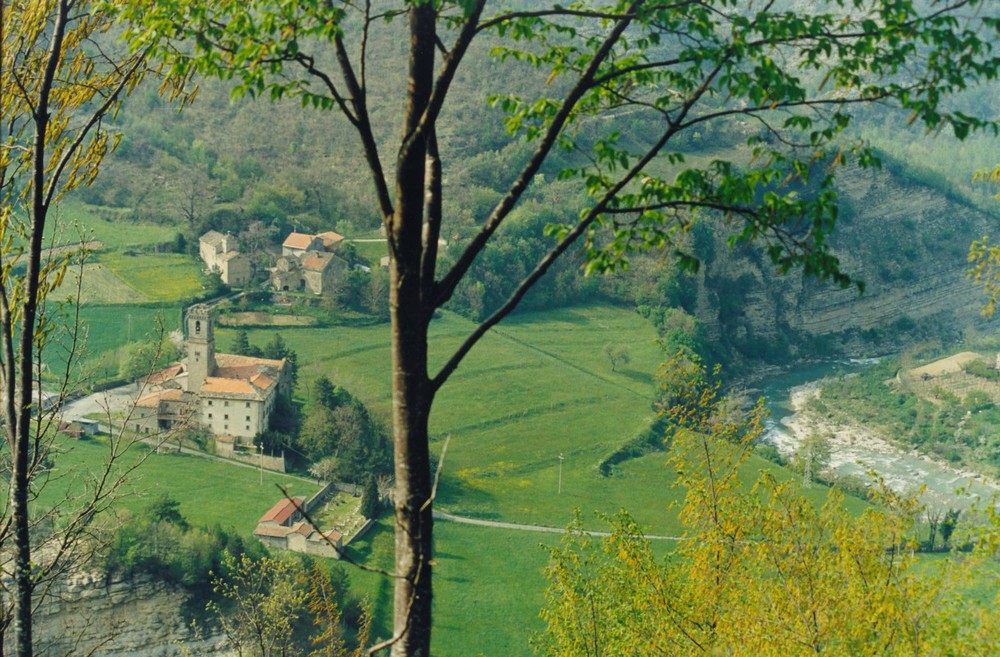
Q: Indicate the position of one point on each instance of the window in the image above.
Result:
(225, 403)
(248, 418)
(209, 402)
(248, 427)
(225, 427)
(227, 417)
(248, 404)
(209, 416)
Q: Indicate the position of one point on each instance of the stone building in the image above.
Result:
(308, 264)
(219, 253)
(231, 396)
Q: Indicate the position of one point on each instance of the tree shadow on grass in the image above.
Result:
(635, 375)
(454, 496)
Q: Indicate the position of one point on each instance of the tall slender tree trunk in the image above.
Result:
(411, 311)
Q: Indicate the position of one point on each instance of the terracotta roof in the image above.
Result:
(235, 360)
(332, 535)
(167, 373)
(261, 372)
(283, 510)
(303, 527)
(153, 400)
(262, 380)
(330, 238)
(317, 261)
(215, 385)
(297, 241)
(212, 237)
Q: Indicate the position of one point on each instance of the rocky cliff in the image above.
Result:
(908, 242)
(142, 618)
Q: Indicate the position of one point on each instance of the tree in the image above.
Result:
(948, 525)
(241, 343)
(264, 599)
(617, 354)
(369, 498)
(657, 71)
(760, 571)
(56, 90)
(812, 457)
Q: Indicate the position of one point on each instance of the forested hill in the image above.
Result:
(904, 233)
(269, 167)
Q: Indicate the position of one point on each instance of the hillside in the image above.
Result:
(906, 240)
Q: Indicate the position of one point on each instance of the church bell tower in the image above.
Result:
(200, 346)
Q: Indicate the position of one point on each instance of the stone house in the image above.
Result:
(282, 527)
(308, 264)
(219, 253)
(298, 244)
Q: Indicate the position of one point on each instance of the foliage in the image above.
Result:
(369, 498)
(169, 549)
(356, 444)
(617, 354)
(762, 571)
(267, 606)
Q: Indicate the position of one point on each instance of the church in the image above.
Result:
(230, 395)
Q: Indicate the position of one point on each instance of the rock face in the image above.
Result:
(141, 618)
(908, 243)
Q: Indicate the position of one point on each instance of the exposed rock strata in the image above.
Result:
(87, 616)
(908, 243)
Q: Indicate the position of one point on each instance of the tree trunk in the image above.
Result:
(412, 392)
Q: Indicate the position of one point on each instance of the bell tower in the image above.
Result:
(200, 346)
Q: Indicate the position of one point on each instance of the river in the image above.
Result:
(856, 451)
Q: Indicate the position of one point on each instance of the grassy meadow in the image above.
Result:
(210, 492)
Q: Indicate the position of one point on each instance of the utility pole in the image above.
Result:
(560, 472)
(260, 450)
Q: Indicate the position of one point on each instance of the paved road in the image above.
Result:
(441, 515)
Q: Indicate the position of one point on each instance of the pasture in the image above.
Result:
(159, 277)
(210, 492)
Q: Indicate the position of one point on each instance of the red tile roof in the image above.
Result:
(164, 375)
(153, 400)
(330, 238)
(297, 241)
(283, 510)
(317, 261)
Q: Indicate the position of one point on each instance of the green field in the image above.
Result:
(210, 492)
(160, 277)
(75, 222)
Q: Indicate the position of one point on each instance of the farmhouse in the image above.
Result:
(307, 263)
(219, 253)
(231, 396)
(283, 527)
